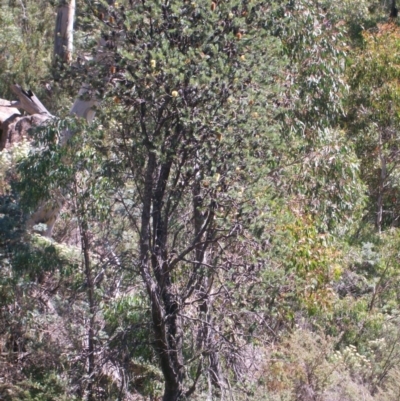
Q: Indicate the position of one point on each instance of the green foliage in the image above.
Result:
(228, 116)
(331, 188)
(8, 159)
(308, 257)
(323, 169)
(127, 324)
(51, 387)
(358, 16)
(129, 330)
(374, 119)
(37, 256)
(316, 50)
(26, 37)
(79, 168)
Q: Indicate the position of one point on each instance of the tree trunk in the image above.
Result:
(167, 324)
(92, 311)
(205, 339)
(393, 10)
(381, 186)
(63, 41)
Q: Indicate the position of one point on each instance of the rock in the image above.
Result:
(16, 127)
(6, 111)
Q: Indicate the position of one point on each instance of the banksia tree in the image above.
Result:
(188, 112)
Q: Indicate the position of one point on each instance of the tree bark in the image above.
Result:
(164, 304)
(63, 41)
(85, 243)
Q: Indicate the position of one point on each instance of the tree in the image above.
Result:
(188, 111)
(321, 168)
(373, 120)
(63, 41)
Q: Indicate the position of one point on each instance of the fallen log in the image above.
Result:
(28, 101)
(14, 127)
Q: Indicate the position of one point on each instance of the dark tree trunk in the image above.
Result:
(394, 10)
(91, 301)
(85, 245)
(156, 271)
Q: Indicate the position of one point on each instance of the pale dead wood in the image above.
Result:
(28, 101)
(63, 41)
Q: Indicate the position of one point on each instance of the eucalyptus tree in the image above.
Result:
(64, 31)
(373, 120)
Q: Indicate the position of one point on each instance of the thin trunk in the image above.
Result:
(63, 41)
(92, 311)
(172, 349)
(205, 340)
(85, 244)
(381, 187)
